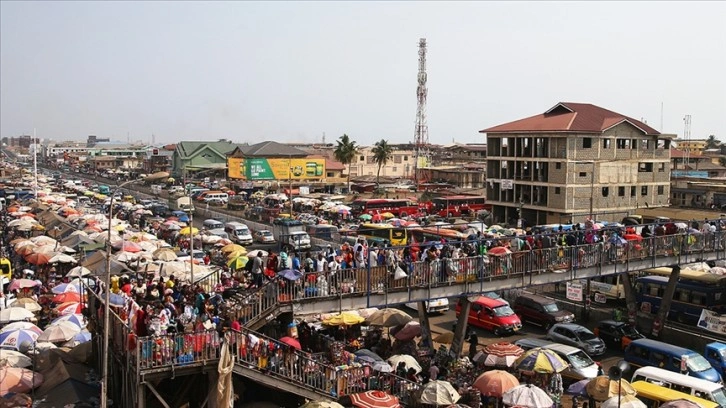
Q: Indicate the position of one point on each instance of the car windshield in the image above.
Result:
(580, 360)
(492, 295)
(697, 363)
(266, 233)
(585, 335)
(551, 308)
(719, 397)
(503, 311)
(629, 330)
(723, 354)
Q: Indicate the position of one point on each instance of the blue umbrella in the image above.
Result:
(14, 339)
(579, 388)
(290, 274)
(67, 287)
(117, 300)
(81, 337)
(184, 218)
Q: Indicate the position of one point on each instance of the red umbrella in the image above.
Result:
(127, 246)
(633, 237)
(504, 349)
(67, 297)
(70, 308)
(374, 399)
(39, 258)
(499, 251)
(22, 284)
(291, 342)
(495, 383)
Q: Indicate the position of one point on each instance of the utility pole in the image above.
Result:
(421, 133)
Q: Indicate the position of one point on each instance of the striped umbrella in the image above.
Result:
(14, 339)
(374, 399)
(541, 360)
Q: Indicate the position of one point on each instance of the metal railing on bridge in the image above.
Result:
(475, 271)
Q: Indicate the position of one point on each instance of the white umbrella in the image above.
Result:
(21, 326)
(62, 258)
(14, 358)
(408, 361)
(15, 314)
(43, 240)
(78, 271)
(439, 393)
(27, 303)
(257, 252)
(62, 331)
(625, 401)
(527, 395)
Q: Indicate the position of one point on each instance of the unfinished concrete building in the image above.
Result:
(573, 161)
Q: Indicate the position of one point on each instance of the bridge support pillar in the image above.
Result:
(423, 319)
(141, 395)
(630, 300)
(665, 303)
(461, 324)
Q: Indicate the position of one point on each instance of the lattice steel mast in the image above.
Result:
(421, 133)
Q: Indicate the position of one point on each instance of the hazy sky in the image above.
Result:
(291, 71)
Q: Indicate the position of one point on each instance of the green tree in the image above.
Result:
(382, 153)
(345, 152)
(712, 142)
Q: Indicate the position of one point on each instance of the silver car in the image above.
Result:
(577, 336)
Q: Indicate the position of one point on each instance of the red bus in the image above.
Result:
(455, 206)
(399, 208)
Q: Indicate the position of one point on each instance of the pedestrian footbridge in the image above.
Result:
(352, 289)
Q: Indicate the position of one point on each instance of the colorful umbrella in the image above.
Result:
(76, 319)
(15, 314)
(67, 297)
(628, 401)
(14, 339)
(408, 362)
(66, 287)
(527, 395)
(290, 274)
(602, 388)
(14, 358)
(322, 404)
(499, 355)
(21, 326)
(38, 258)
(541, 360)
(127, 246)
(78, 271)
(343, 319)
(374, 399)
(18, 380)
(409, 331)
(291, 342)
(495, 383)
(22, 284)
(232, 247)
(365, 217)
(69, 308)
(27, 303)
(238, 262)
(578, 388)
(499, 251)
(438, 393)
(189, 230)
(388, 318)
(59, 332)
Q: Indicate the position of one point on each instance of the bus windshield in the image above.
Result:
(697, 363)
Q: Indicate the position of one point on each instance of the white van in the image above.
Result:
(211, 224)
(238, 233)
(224, 197)
(684, 383)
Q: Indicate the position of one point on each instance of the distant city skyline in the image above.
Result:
(291, 71)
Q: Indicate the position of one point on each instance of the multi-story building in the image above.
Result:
(692, 146)
(573, 161)
(401, 164)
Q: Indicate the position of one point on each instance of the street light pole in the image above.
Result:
(107, 295)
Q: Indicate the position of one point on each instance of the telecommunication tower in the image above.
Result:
(421, 133)
(687, 140)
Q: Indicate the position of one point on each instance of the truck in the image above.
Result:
(185, 204)
(715, 353)
(290, 234)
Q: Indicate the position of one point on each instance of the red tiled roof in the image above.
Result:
(571, 117)
(333, 165)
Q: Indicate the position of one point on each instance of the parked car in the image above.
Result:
(618, 334)
(264, 237)
(198, 256)
(541, 311)
(577, 336)
(440, 305)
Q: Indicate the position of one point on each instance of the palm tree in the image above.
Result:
(382, 153)
(712, 143)
(345, 152)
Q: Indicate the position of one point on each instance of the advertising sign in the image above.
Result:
(712, 321)
(236, 168)
(574, 291)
